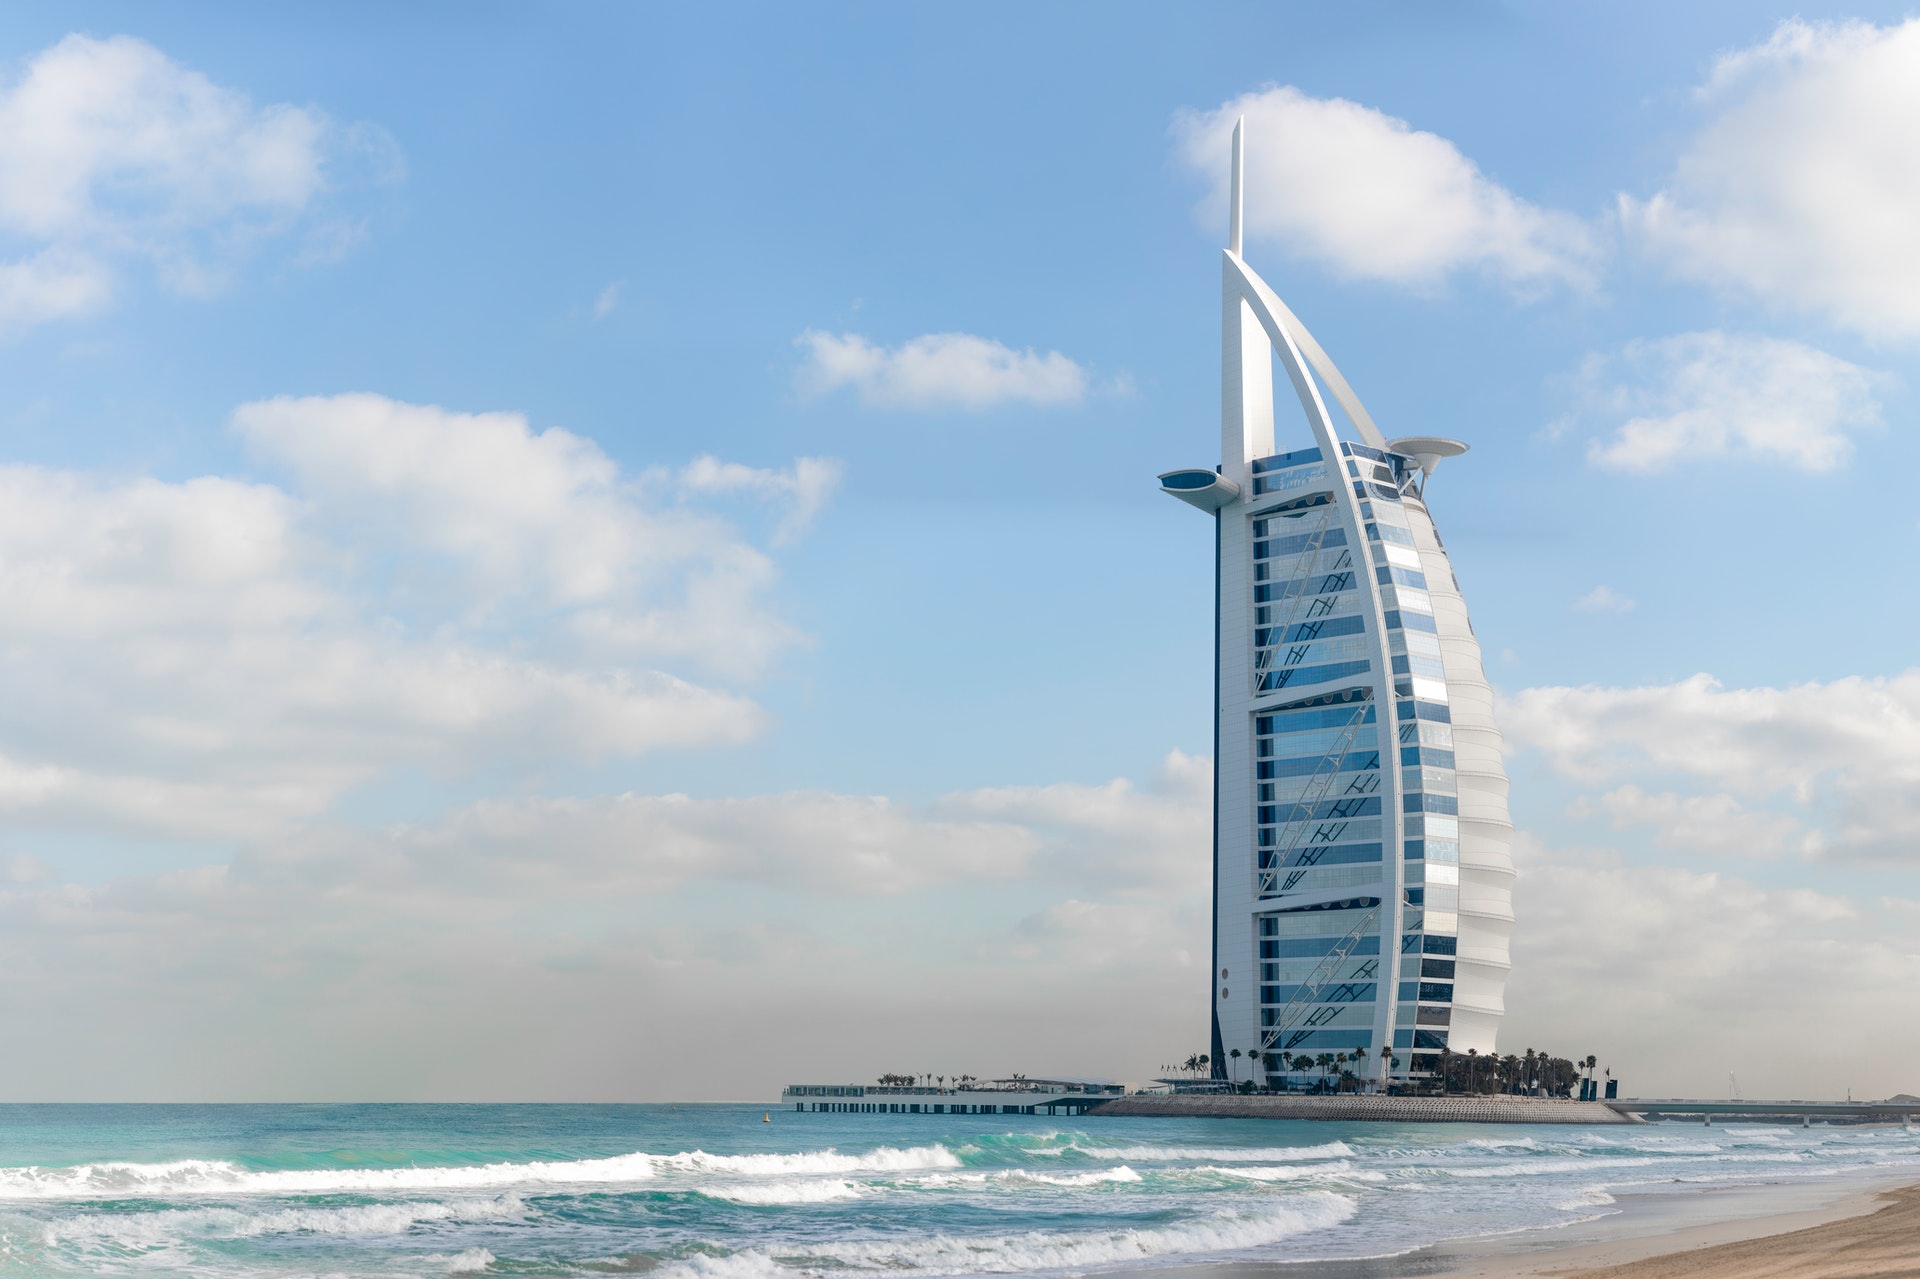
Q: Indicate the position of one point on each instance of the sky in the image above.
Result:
(609, 552)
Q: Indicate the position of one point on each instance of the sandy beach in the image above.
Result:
(1871, 1233)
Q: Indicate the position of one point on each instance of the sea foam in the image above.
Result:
(1217, 1232)
(220, 1177)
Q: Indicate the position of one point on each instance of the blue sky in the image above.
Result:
(601, 529)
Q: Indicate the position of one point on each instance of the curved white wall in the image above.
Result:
(1486, 830)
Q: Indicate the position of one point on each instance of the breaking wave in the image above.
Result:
(220, 1177)
(1218, 1232)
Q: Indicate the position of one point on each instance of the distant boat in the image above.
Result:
(767, 1118)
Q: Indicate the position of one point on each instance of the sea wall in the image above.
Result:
(1404, 1110)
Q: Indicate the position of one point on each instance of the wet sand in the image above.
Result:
(1881, 1240)
(1865, 1227)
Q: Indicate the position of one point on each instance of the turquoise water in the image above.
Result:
(712, 1192)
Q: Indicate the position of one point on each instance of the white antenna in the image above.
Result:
(1237, 191)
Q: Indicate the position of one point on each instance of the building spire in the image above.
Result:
(1237, 196)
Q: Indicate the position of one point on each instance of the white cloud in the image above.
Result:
(54, 284)
(1712, 395)
(1804, 186)
(1697, 823)
(436, 591)
(1604, 599)
(803, 488)
(607, 301)
(1683, 977)
(110, 151)
(957, 924)
(938, 371)
(1844, 755)
(1365, 193)
(511, 520)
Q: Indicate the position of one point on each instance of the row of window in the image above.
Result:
(1427, 944)
(1317, 878)
(1426, 734)
(1393, 575)
(1301, 947)
(1318, 741)
(1299, 970)
(1273, 681)
(1294, 543)
(1433, 991)
(1356, 761)
(1284, 480)
(1332, 919)
(1306, 564)
(1411, 621)
(1301, 632)
(1438, 850)
(1399, 535)
(1326, 809)
(1322, 1016)
(1332, 832)
(1323, 855)
(1346, 992)
(1415, 664)
(1291, 509)
(1333, 714)
(1281, 461)
(1419, 1039)
(1333, 1041)
(1318, 584)
(1427, 802)
(1412, 756)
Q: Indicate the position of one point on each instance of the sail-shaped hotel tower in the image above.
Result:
(1362, 875)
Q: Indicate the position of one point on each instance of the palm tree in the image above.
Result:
(1233, 1069)
(1325, 1062)
(1473, 1057)
(1387, 1062)
(1446, 1064)
(1527, 1067)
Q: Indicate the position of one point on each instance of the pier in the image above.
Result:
(1017, 1095)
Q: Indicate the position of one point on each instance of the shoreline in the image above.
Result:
(1653, 1232)
(1661, 1232)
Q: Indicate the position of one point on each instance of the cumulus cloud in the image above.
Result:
(1604, 599)
(217, 657)
(802, 489)
(478, 511)
(1712, 395)
(1843, 756)
(1804, 186)
(1374, 198)
(938, 371)
(112, 152)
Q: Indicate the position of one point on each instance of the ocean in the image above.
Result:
(713, 1192)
